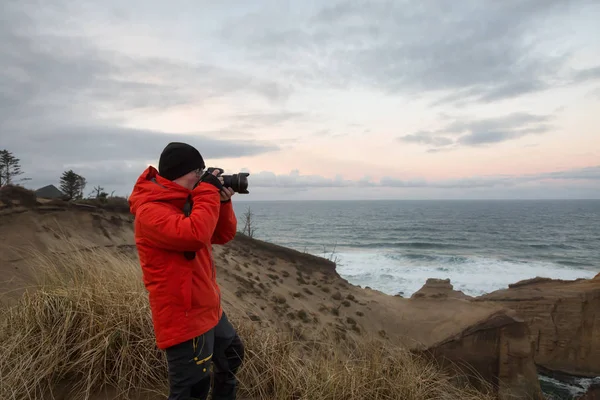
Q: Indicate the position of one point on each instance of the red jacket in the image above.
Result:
(184, 296)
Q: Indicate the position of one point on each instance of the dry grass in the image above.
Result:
(283, 368)
(88, 324)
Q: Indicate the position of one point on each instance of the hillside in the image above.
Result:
(288, 291)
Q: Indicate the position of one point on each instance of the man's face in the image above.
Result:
(190, 179)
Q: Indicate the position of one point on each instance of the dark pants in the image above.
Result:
(189, 364)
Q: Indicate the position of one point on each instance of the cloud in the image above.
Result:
(427, 137)
(41, 85)
(466, 183)
(476, 132)
(80, 144)
(76, 79)
(589, 173)
(272, 118)
(112, 156)
(295, 180)
(64, 100)
(588, 74)
(466, 51)
(50, 76)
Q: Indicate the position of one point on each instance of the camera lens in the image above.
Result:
(237, 182)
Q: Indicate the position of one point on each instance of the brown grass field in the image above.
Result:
(84, 331)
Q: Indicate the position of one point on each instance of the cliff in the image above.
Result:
(563, 318)
(592, 394)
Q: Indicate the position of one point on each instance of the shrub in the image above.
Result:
(25, 197)
(114, 204)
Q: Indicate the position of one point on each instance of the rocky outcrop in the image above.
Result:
(593, 393)
(489, 339)
(563, 318)
(439, 289)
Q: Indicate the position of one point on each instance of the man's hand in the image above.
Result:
(225, 193)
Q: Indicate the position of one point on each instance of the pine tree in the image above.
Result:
(72, 185)
(10, 168)
(81, 182)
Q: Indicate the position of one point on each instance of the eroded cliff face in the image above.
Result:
(494, 342)
(499, 350)
(25, 232)
(593, 393)
(563, 318)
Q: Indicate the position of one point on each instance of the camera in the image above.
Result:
(238, 182)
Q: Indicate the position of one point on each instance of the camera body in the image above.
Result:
(238, 182)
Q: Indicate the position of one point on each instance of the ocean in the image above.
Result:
(481, 246)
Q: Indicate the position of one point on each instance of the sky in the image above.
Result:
(428, 99)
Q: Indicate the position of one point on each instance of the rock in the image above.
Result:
(437, 289)
(593, 393)
(253, 317)
(483, 337)
(563, 318)
(499, 350)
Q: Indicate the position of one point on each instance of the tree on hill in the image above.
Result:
(72, 185)
(81, 182)
(249, 225)
(10, 168)
(98, 190)
(99, 193)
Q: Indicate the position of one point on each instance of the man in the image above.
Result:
(180, 212)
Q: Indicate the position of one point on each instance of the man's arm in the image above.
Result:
(226, 226)
(169, 230)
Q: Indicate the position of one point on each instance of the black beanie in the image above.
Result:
(178, 159)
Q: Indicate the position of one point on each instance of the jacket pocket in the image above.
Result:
(187, 290)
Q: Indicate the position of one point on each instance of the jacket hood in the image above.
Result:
(151, 187)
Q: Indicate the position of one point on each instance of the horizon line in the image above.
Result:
(477, 199)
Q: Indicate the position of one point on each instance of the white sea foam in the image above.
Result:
(394, 273)
(575, 389)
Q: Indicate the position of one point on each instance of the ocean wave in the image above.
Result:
(438, 258)
(425, 245)
(575, 388)
(557, 246)
(394, 273)
(571, 263)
